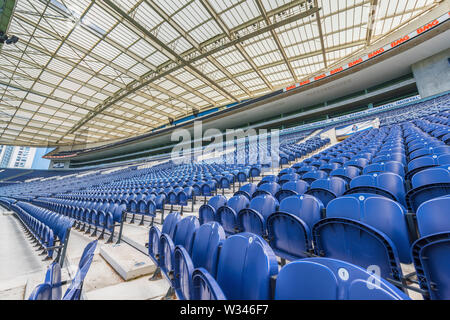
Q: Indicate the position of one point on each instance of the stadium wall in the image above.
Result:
(433, 74)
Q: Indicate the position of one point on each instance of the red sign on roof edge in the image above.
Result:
(375, 53)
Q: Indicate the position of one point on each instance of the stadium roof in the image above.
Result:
(90, 71)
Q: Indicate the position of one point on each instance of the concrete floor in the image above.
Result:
(19, 260)
(17, 256)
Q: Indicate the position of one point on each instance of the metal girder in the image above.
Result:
(115, 92)
(136, 85)
(75, 93)
(304, 56)
(226, 31)
(159, 45)
(99, 58)
(413, 17)
(15, 69)
(322, 42)
(371, 21)
(276, 39)
(20, 88)
(255, 21)
(194, 43)
(55, 116)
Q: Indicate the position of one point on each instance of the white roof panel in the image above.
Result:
(75, 54)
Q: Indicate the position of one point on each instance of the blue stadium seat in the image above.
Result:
(390, 166)
(267, 179)
(328, 167)
(154, 235)
(431, 252)
(51, 289)
(426, 185)
(207, 212)
(312, 176)
(253, 218)
(227, 215)
(291, 188)
(270, 188)
(327, 189)
(205, 250)
(358, 224)
(183, 235)
(289, 229)
(247, 190)
(346, 173)
(245, 267)
(397, 156)
(359, 163)
(331, 279)
(42, 291)
(288, 177)
(387, 184)
(286, 171)
(430, 151)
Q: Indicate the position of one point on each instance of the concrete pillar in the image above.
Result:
(433, 74)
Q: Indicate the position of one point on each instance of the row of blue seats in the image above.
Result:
(200, 263)
(353, 226)
(426, 184)
(295, 228)
(49, 229)
(101, 216)
(141, 204)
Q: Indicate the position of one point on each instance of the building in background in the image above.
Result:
(5, 156)
(23, 157)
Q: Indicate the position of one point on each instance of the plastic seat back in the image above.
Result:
(390, 166)
(154, 235)
(327, 189)
(426, 185)
(253, 218)
(247, 190)
(266, 179)
(228, 215)
(53, 278)
(356, 242)
(73, 292)
(207, 212)
(431, 252)
(246, 264)
(331, 279)
(312, 176)
(381, 213)
(346, 173)
(291, 188)
(289, 229)
(387, 184)
(267, 188)
(41, 292)
(184, 232)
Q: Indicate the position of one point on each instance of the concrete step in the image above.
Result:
(137, 289)
(127, 261)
